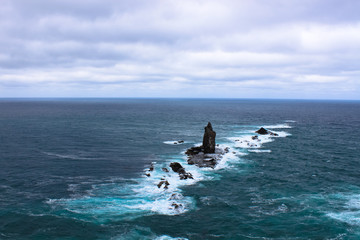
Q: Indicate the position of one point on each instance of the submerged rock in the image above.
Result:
(209, 139)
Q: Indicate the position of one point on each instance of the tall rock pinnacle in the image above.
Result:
(209, 139)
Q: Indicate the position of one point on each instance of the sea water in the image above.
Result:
(76, 169)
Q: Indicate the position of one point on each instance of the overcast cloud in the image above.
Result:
(179, 48)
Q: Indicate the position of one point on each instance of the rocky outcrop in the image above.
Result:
(209, 154)
(263, 131)
(209, 139)
(177, 167)
(165, 182)
(194, 150)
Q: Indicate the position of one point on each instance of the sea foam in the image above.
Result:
(351, 209)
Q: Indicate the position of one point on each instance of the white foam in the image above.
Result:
(278, 126)
(232, 156)
(174, 142)
(290, 121)
(67, 156)
(349, 217)
(259, 151)
(165, 237)
(351, 211)
(247, 141)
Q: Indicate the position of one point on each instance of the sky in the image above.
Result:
(282, 49)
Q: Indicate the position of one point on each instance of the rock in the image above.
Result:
(254, 137)
(151, 167)
(180, 141)
(262, 131)
(207, 155)
(147, 174)
(165, 182)
(175, 166)
(176, 196)
(194, 150)
(165, 169)
(176, 206)
(209, 139)
(185, 175)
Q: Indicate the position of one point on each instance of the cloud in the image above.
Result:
(277, 49)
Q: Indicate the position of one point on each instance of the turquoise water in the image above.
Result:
(75, 169)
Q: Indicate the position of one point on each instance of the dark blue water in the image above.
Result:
(74, 169)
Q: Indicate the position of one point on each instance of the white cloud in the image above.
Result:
(180, 48)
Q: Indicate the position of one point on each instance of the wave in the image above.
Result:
(278, 126)
(159, 190)
(259, 151)
(165, 237)
(350, 212)
(175, 142)
(67, 156)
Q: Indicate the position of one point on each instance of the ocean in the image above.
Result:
(76, 169)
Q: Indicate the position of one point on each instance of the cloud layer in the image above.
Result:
(174, 48)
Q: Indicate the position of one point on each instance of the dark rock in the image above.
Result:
(165, 169)
(166, 184)
(176, 206)
(147, 174)
(254, 137)
(194, 150)
(207, 155)
(181, 141)
(176, 196)
(262, 131)
(151, 167)
(209, 139)
(175, 166)
(185, 175)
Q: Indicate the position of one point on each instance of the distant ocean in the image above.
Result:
(75, 169)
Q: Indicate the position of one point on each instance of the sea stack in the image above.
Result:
(209, 139)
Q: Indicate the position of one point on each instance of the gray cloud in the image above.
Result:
(248, 48)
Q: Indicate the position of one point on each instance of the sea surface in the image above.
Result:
(75, 169)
